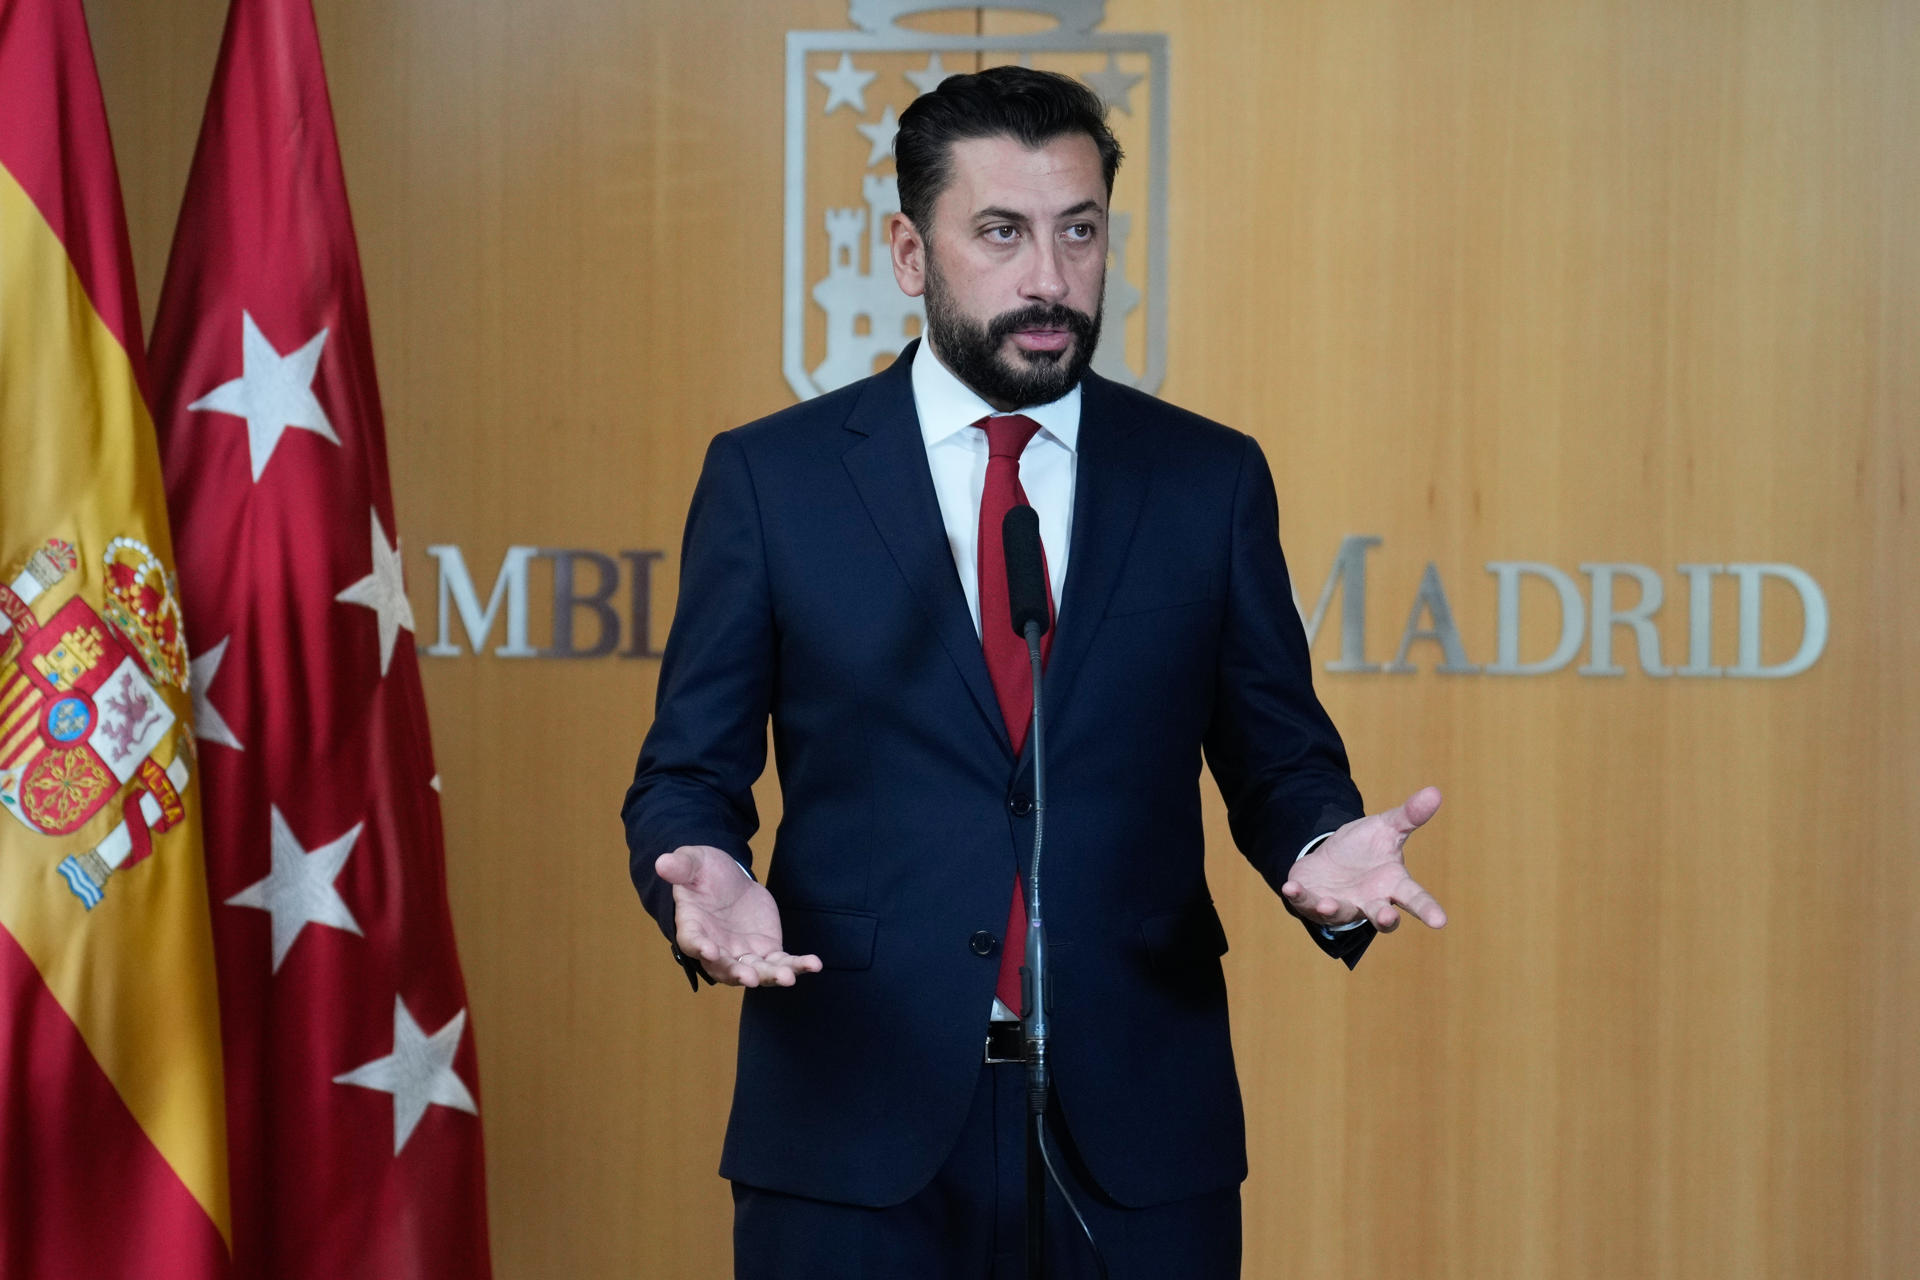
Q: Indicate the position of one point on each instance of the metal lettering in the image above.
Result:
(1573, 618)
(1813, 634)
(567, 602)
(1640, 618)
(1699, 620)
(511, 582)
(1431, 599)
(1349, 570)
(640, 642)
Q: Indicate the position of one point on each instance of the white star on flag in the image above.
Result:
(418, 1073)
(926, 81)
(299, 891)
(208, 724)
(845, 86)
(1114, 86)
(273, 392)
(383, 592)
(880, 134)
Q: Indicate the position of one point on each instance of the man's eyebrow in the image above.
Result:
(995, 213)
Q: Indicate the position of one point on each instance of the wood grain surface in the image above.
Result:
(1566, 281)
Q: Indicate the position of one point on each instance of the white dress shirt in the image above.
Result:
(957, 456)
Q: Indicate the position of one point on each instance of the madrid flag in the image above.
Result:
(354, 1130)
(112, 1155)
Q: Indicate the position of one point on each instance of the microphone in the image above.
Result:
(1027, 601)
(1030, 606)
(1026, 570)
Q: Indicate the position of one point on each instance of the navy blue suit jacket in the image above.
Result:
(817, 588)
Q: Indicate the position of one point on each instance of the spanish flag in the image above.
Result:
(112, 1131)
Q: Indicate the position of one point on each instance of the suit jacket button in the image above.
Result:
(983, 943)
(1021, 803)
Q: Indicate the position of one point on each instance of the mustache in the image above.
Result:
(1041, 316)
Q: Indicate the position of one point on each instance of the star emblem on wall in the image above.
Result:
(384, 592)
(273, 392)
(418, 1073)
(880, 134)
(1114, 86)
(298, 890)
(845, 85)
(928, 79)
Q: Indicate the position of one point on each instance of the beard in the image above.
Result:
(1004, 377)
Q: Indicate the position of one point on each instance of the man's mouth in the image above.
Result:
(1043, 339)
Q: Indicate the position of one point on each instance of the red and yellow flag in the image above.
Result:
(112, 1136)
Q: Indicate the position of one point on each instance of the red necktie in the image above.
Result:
(1007, 661)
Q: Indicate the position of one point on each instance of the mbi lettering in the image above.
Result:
(585, 585)
(1592, 618)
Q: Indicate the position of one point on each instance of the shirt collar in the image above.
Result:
(948, 406)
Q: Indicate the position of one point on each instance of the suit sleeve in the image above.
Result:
(708, 743)
(1272, 748)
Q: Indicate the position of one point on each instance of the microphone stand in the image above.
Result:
(1035, 991)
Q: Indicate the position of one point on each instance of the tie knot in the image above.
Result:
(1008, 434)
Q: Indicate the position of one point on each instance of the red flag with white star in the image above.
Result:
(353, 1117)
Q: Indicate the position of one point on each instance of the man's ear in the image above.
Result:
(908, 250)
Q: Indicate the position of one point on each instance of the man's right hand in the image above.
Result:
(727, 920)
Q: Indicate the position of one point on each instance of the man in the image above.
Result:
(841, 574)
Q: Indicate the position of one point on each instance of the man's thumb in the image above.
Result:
(676, 867)
(1421, 805)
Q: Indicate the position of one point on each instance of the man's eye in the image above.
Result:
(1002, 234)
(1080, 231)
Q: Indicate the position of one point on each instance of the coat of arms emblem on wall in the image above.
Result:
(844, 315)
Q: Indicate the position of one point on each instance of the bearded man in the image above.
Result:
(842, 575)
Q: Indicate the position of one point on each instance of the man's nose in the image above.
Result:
(1045, 280)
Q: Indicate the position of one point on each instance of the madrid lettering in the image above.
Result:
(1592, 617)
(1611, 609)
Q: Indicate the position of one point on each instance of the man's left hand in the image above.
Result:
(1360, 870)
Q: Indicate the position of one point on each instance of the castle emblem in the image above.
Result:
(83, 716)
(844, 315)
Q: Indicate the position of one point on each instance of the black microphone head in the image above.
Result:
(1026, 570)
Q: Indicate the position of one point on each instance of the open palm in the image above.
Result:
(728, 921)
(1360, 870)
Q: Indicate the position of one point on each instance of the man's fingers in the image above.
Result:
(775, 969)
(1320, 907)
(1423, 904)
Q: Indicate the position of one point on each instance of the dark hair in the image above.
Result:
(1032, 107)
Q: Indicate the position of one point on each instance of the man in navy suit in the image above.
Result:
(833, 581)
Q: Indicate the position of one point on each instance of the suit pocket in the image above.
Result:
(1180, 940)
(1162, 591)
(842, 939)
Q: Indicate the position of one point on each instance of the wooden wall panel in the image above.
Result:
(1573, 281)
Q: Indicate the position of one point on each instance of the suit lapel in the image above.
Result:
(888, 464)
(1110, 481)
